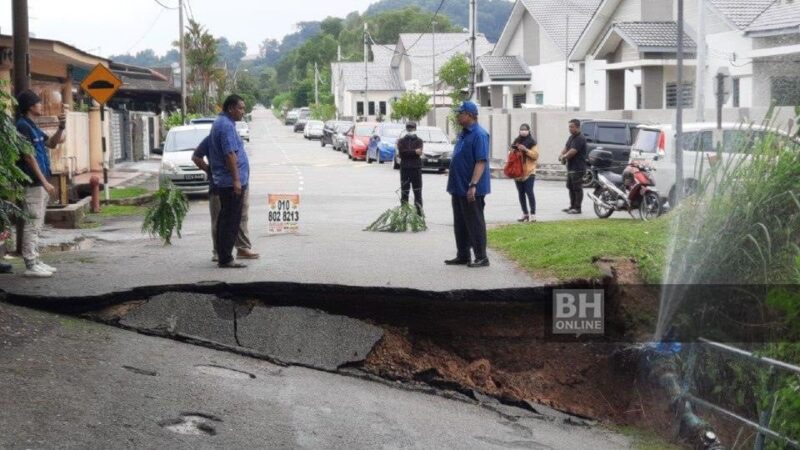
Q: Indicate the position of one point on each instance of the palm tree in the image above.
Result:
(201, 59)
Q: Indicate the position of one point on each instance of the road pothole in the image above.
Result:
(225, 372)
(80, 243)
(192, 424)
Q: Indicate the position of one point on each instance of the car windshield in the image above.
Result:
(315, 125)
(364, 130)
(185, 140)
(343, 128)
(433, 136)
(647, 141)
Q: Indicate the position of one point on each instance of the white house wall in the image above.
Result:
(722, 48)
(516, 44)
(628, 11)
(549, 79)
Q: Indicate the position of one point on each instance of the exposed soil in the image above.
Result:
(505, 351)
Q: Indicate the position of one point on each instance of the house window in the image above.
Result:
(359, 108)
(672, 95)
(786, 91)
(639, 97)
(736, 92)
(538, 98)
(371, 108)
(519, 99)
(382, 107)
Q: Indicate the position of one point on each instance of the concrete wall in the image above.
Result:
(549, 79)
(763, 72)
(76, 145)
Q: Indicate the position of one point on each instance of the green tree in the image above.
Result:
(455, 73)
(13, 147)
(411, 106)
(201, 59)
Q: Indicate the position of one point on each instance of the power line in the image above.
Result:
(405, 53)
(149, 28)
(165, 6)
(436, 13)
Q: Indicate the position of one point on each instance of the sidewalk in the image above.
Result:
(123, 174)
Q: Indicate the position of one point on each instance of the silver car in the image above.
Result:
(437, 150)
(176, 163)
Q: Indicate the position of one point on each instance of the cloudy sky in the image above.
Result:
(106, 27)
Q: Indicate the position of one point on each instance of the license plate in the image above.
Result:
(194, 176)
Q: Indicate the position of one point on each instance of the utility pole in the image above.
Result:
(183, 61)
(700, 77)
(679, 112)
(433, 81)
(366, 74)
(566, 66)
(316, 84)
(473, 30)
(720, 98)
(22, 59)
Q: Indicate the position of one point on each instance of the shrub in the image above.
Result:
(165, 216)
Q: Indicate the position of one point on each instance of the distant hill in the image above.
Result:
(492, 14)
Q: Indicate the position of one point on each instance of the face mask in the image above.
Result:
(524, 133)
(412, 133)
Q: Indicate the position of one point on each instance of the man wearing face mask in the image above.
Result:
(409, 147)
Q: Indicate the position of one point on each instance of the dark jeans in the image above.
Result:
(470, 227)
(575, 186)
(411, 178)
(525, 189)
(228, 222)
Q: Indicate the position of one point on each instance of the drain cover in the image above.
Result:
(225, 372)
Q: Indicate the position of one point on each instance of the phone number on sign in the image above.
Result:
(284, 216)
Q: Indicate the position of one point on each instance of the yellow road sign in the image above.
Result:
(101, 84)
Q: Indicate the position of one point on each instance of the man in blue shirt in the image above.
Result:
(243, 245)
(39, 189)
(468, 185)
(230, 171)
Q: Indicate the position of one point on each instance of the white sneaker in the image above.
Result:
(38, 271)
(47, 268)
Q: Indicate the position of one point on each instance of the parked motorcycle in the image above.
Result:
(634, 189)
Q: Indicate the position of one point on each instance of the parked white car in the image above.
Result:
(437, 150)
(655, 144)
(244, 130)
(314, 129)
(176, 162)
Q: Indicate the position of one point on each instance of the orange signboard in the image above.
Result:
(284, 213)
(101, 84)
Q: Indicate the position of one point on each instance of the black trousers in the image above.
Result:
(525, 191)
(470, 227)
(228, 222)
(575, 186)
(411, 178)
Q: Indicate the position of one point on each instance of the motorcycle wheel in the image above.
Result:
(601, 211)
(589, 179)
(650, 208)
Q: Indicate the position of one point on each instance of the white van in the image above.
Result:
(656, 145)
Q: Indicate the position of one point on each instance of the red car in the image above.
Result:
(358, 140)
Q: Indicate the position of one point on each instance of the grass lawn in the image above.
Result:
(110, 211)
(565, 249)
(127, 192)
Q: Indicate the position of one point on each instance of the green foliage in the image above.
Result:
(399, 220)
(567, 250)
(166, 215)
(175, 120)
(323, 112)
(455, 73)
(12, 147)
(492, 14)
(411, 106)
(127, 192)
(283, 101)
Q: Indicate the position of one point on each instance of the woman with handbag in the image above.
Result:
(525, 146)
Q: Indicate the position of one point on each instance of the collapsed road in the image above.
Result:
(476, 348)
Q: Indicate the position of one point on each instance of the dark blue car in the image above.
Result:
(382, 145)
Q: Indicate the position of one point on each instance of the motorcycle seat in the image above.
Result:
(613, 177)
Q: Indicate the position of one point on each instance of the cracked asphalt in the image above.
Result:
(71, 383)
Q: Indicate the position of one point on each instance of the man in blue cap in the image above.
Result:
(468, 184)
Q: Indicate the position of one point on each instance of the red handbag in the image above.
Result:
(515, 166)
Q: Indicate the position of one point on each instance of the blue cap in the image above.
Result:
(467, 107)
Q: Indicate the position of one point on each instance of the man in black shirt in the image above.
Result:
(409, 147)
(574, 155)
